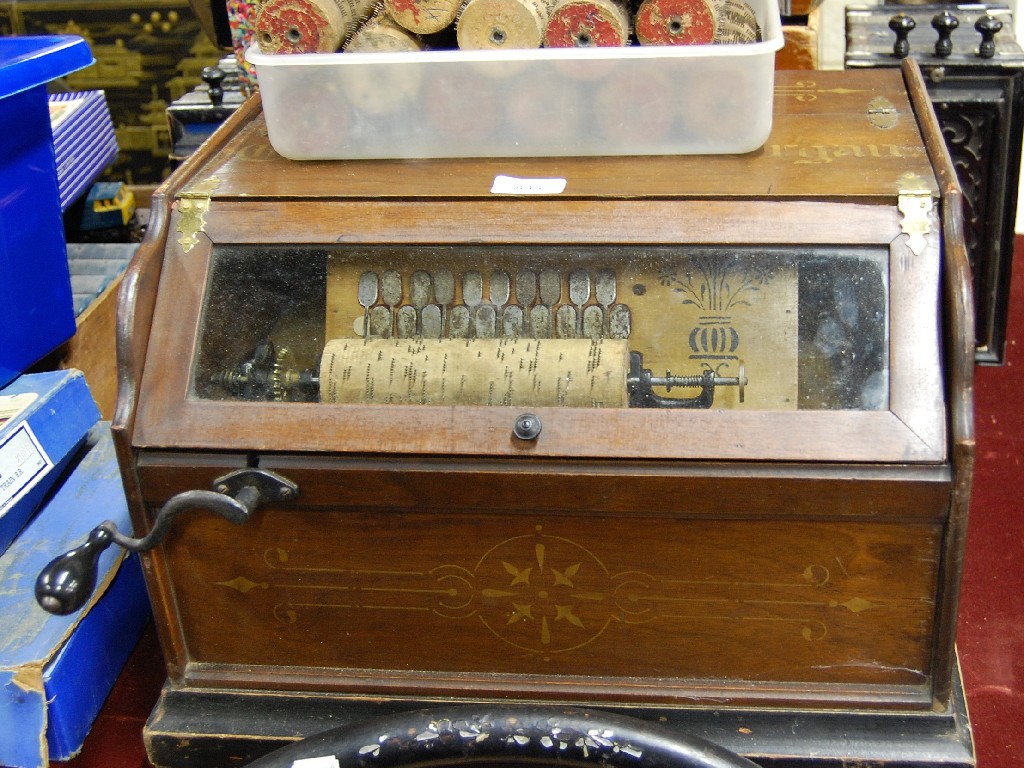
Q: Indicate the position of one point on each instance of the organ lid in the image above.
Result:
(823, 140)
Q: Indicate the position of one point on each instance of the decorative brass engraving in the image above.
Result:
(193, 203)
(729, 313)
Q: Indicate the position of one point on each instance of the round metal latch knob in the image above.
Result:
(527, 426)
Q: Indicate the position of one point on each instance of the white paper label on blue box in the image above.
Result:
(22, 463)
(12, 405)
(510, 185)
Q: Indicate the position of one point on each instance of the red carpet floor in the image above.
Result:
(991, 631)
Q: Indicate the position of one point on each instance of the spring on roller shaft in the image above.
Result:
(668, 380)
(641, 381)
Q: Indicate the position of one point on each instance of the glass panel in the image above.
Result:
(757, 328)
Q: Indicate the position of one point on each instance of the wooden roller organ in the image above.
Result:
(684, 438)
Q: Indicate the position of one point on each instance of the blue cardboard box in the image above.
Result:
(44, 419)
(56, 671)
(36, 315)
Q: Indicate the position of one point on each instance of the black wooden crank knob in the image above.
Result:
(944, 23)
(64, 585)
(901, 24)
(987, 26)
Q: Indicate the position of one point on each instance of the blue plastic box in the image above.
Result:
(36, 312)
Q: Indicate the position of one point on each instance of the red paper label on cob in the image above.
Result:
(675, 22)
(585, 24)
(424, 17)
(295, 26)
(400, 7)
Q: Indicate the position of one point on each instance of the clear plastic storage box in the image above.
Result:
(637, 100)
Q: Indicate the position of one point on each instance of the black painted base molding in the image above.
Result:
(219, 728)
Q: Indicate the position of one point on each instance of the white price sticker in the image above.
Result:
(22, 463)
(316, 762)
(510, 185)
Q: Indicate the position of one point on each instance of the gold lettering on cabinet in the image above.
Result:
(816, 154)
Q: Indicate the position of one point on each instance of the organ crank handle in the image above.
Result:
(67, 582)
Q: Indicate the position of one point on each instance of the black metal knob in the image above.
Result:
(213, 77)
(527, 426)
(901, 24)
(67, 582)
(988, 26)
(944, 23)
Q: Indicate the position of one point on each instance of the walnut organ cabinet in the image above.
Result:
(690, 438)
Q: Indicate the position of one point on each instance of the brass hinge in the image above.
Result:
(916, 204)
(882, 113)
(193, 203)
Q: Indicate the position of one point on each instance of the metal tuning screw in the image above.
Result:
(214, 77)
(944, 23)
(987, 26)
(901, 24)
(66, 583)
(527, 426)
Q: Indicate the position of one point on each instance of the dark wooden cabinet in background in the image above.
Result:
(979, 101)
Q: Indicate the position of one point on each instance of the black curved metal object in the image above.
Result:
(67, 582)
(509, 735)
(640, 383)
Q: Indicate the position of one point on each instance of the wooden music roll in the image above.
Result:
(509, 371)
(502, 24)
(737, 23)
(587, 23)
(423, 17)
(382, 35)
(309, 26)
(676, 22)
(696, 22)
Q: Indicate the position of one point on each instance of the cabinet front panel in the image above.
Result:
(639, 604)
